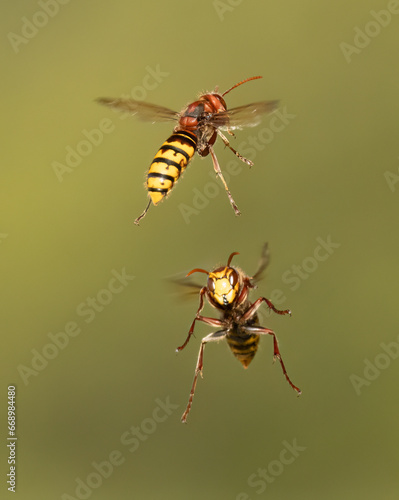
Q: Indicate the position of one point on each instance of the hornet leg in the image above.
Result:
(198, 317)
(255, 306)
(137, 221)
(265, 331)
(216, 166)
(227, 143)
(213, 337)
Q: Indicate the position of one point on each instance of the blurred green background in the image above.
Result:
(329, 174)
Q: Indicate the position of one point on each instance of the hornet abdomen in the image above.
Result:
(169, 163)
(243, 345)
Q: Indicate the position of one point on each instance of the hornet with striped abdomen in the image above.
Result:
(227, 290)
(198, 126)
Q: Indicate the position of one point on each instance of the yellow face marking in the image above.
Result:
(223, 286)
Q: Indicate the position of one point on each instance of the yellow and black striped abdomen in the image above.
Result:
(169, 163)
(243, 346)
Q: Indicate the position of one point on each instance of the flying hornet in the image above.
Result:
(198, 126)
(227, 290)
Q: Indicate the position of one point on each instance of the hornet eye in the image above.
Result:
(211, 285)
(233, 279)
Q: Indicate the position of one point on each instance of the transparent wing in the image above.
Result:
(263, 263)
(249, 115)
(145, 111)
(183, 287)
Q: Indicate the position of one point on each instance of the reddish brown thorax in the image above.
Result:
(207, 103)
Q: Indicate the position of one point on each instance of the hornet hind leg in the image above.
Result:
(266, 331)
(216, 166)
(212, 337)
(137, 221)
